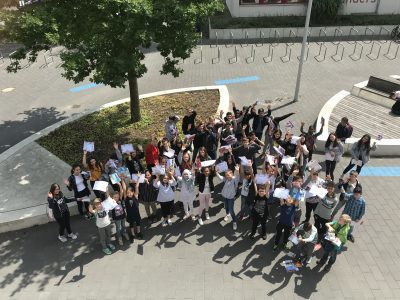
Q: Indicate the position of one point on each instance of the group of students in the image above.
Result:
(229, 148)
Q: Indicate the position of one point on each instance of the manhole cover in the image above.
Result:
(7, 90)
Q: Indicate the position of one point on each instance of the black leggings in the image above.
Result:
(63, 223)
(257, 219)
(330, 168)
(167, 208)
(310, 207)
(80, 207)
(351, 166)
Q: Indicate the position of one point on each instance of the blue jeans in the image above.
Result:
(229, 205)
(244, 207)
(351, 229)
(120, 230)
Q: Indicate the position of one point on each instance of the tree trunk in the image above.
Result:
(134, 95)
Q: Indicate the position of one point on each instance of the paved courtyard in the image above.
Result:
(186, 261)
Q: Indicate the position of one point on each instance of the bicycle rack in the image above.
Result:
(234, 59)
(199, 60)
(246, 37)
(292, 34)
(338, 34)
(319, 35)
(231, 40)
(252, 55)
(270, 56)
(307, 52)
(216, 41)
(352, 29)
(369, 55)
(338, 57)
(365, 35)
(380, 34)
(48, 57)
(353, 56)
(321, 57)
(218, 58)
(262, 38)
(277, 37)
(387, 54)
(288, 54)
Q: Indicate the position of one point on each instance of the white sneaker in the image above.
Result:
(169, 222)
(226, 219)
(201, 221)
(164, 223)
(186, 216)
(193, 217)
(62, 238)
(207, 216)
(72, 236)
(234, 225)
(120, 242)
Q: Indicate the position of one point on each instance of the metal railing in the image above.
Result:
(246, 38)
(338, 56)
(387, 34)
(337, 35)
(252, 56)
(231, 40)
(216, 41)
(354, 55)
(378, 46)
(322, 53)
(262, 38)
(352, 29)
(322, 32)
(367, 29)
(388, 54)
(270, 55)
(199, 60)
(218, 58)
(234, 59)
(276, 39)
(288, 54)
(48, 57)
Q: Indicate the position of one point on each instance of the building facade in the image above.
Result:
(261, 8)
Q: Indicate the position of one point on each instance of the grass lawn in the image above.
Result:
(113, 124)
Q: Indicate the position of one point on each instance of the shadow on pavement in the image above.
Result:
(36, 119)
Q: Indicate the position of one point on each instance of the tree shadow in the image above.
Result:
(47, 258)
(34, 120)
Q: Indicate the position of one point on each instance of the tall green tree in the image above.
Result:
(104, 39)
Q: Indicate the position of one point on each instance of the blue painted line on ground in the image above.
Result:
(236, 80)
(380, 171)
(84, 87)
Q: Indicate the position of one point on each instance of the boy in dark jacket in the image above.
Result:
(260, 211)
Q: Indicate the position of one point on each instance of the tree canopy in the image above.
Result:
(104, 39)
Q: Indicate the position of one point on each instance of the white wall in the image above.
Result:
(349, 7)
(359, 6)
(389, 7)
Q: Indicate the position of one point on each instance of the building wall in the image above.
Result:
(349, 7)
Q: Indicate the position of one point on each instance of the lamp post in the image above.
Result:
(303, 48)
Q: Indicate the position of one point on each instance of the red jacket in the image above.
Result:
(152, 154)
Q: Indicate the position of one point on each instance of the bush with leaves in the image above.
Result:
(323, 9)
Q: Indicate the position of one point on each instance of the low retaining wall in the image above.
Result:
(338, 33)
(386, 147)
(34, 215)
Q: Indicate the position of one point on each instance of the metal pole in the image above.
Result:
(303, 48)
